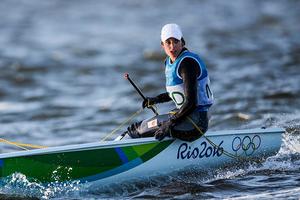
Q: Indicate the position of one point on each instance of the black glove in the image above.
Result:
(149, 101)
(132, 130)
(164, 130)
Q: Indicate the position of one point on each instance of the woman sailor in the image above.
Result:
(187, 85)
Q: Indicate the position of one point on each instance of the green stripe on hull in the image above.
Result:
(77, 165)
(154, 151)
(130, 153)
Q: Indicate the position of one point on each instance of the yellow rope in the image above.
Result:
(212, 143)
(21, 145)
(122, 124)
(24, 145)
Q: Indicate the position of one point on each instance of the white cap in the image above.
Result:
(170, 30)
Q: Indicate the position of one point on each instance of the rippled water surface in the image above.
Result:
(61, 82)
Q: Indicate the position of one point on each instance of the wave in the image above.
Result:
(18, 185)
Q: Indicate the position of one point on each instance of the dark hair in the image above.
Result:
(183, 41)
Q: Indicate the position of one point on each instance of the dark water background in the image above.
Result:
(61, 68)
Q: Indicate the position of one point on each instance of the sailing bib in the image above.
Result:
(175, 87)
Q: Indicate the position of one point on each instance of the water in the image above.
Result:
(61, 68)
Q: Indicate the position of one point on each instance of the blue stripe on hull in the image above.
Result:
(121, 155)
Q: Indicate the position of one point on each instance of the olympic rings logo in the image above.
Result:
(247, 144)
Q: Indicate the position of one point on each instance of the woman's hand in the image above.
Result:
(164, 130)
(148, 102)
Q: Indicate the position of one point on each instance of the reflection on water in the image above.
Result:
(62, 66)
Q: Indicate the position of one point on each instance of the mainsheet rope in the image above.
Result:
(122, 124)
(212, 143)
(128, 120)
(209, 141)
(22, 145)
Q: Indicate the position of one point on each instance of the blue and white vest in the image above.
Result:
(174, 83)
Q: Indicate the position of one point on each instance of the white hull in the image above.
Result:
(238, 145)
(108, 162)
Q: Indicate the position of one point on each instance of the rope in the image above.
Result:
(24, 145)
(21, 145)
(212, 143)
(122, 124)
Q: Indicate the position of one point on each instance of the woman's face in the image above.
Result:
(172, 47)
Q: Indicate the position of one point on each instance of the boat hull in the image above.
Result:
(132, 158)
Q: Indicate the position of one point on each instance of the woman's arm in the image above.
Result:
(189, 71)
